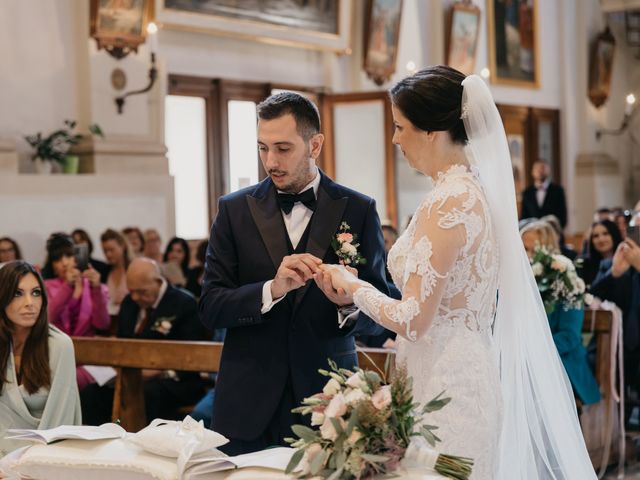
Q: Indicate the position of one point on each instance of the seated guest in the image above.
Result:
(178, 254)
(153, 245)
(37, 366)
(604, 238)
(565, 324)
(565, 249)
(135, 239)
(196, 273)
(77, 300)
(539, 233)
(116, 251)
(81, 237)
(9, 250)
(619, 282)
(153, 310)
(621, 218)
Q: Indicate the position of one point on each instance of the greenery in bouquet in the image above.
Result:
(362, 426)
(56, 145)
(557, 280)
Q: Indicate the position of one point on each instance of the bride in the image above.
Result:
(471, 321)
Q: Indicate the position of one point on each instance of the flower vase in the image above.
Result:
(70, 164)
(43, 167)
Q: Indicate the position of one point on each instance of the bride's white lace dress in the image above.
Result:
(446, 266)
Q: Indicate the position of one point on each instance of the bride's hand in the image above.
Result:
(342, 278)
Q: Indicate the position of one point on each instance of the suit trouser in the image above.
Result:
(277, 430)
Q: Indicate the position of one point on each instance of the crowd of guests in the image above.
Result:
(139, 291)
(608, 261)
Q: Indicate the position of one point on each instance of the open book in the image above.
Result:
(63, 432)
(202, 464)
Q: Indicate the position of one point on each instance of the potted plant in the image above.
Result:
(55, 146)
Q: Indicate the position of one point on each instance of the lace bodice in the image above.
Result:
(445, 263)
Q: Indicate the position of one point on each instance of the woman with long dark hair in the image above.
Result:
(604, 238)
(37, 367)
(178, 254)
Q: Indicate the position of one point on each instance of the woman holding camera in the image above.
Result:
(37, 379)
(77, 300)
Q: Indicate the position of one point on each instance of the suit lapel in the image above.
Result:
(324, 225)
(268, 218)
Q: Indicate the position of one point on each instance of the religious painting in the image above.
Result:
(315, 24)
(600, 67)
(462, 36)
(382, 30)
(513, 42)
(119, 26)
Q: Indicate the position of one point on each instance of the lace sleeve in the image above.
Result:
(440, 236)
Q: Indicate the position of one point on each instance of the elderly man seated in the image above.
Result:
(153, 309)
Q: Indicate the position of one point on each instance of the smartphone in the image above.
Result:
(81, 252)
(633, 232)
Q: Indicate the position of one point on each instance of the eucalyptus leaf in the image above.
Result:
(295, 460)
(318, 462)
(371, 458)
(305, 433)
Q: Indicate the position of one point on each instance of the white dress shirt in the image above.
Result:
(295, 222)
(541, 192)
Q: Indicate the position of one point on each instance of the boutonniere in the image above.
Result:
(346, 248)
(163, 325)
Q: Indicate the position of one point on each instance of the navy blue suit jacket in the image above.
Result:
(296, 337)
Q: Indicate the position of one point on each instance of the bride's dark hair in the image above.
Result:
(431, 100)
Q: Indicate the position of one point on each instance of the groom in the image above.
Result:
(266, 243)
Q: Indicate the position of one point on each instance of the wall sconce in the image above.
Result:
(152, 37)
(629, 110)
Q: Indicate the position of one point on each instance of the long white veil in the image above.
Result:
(541, 437)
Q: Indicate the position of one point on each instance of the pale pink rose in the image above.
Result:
(354, 396)
(332, 387)
(312, 451)
(337, 407)
(317, 418)
(345, 237)
(382, 398)
(355, 436)
(328, 431)
(356, 381)
(559, 266)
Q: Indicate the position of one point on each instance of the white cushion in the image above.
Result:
(95, 460)
(169, 438)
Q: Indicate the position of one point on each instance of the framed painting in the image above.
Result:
(600, 67)
(316, 24)
(513, 42)
(381, 33)
(462, 36)
(119, 26)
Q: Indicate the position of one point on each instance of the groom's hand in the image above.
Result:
(294, 271)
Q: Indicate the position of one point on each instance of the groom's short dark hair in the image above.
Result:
(303, 110)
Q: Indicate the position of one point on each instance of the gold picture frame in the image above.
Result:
(381, 34)
(305, 27)
(463, 28)
(601, 67)
(120, 26)
(514, 53)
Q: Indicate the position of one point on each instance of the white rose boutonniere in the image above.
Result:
(163, 325)
(346, 248)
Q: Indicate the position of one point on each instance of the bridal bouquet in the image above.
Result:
(557, 280)
(363, 426)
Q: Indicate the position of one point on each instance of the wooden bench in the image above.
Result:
(602, 443)
(130, 356)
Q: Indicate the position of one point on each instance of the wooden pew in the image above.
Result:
(129, 357)
(601, 442)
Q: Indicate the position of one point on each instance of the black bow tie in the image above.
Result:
(286, 200)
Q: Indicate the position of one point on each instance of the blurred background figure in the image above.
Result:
(544, 197)
(177, 258)
(539, 233)
(136, 240)
(604, 238)
(81, 237)
(9, 250)
(153, 245)
(116, 251)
